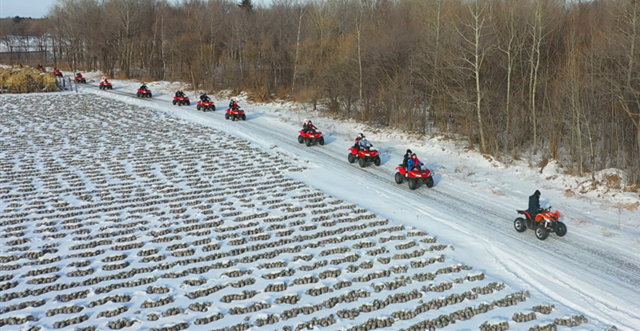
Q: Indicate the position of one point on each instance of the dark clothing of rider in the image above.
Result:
(308, 127)
(204, 98)
(143, 87)
(179, 94)
(534, 204)
(233, 105)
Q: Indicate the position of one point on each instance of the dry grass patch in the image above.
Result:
(27, 80)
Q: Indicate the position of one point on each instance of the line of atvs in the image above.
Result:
(414, 177)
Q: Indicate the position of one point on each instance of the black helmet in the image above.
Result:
(409, 152)
(537, 193)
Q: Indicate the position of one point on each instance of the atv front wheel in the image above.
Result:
(377, 161)
(199, 107)
(244, 118)
(175, 102)
(429, 182)
(561, 229)
(541, 232)
(361, 162)
(413, 184)
(138, 94)
(233, 117)
(300, 139)
(351, 158)
(307, 141)
(321, 141)
(519, 225)
(399, 178)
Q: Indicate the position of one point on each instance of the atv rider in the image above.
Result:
(79, 75)
(405, 160)
(364, 144)
(308, 127)
(179, 94)
(414, 163)
(104, 81)
(205, 98)
(143, 86)
(233, 105)
(534, 204)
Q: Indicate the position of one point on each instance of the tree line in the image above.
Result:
(511, 77)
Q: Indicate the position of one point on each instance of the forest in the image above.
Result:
(512, 78)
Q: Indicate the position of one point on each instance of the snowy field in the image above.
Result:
(133, 214)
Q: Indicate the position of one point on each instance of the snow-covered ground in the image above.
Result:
(164, 167)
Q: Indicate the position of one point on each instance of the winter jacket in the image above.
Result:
(204, 98)
(364, 143)
(413, 162)
(534, 205)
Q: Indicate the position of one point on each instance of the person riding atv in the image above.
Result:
(364, 144)
(414, 163)
(143, 86)
(204, 98)
(233, 105)
(307, 126)
(405, 160)
(357, 143)
(179, 94)
(534, 204)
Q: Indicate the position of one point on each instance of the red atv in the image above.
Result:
(363, 156)
(206, 105)
(41, 68)
(415, 177)
(57, 73)
(105, 85)
(143, 93)
(180, 101)
(235, 114)
(309, 138)
(546, 221)
(80, 79)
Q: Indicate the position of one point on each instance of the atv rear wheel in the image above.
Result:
(361, 162)
(399, 178)
(561, 229)
(300, 139)
(377, 161)
(413, 183)
(321, 141)
(429, 182)
(244, 118)
(541, 232)
(351, 158)
(307, 141)
(519, 224)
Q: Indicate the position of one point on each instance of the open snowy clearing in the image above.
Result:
(92, 154)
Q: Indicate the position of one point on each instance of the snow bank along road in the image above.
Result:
(115, 216)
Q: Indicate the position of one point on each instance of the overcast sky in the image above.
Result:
(39, 8)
